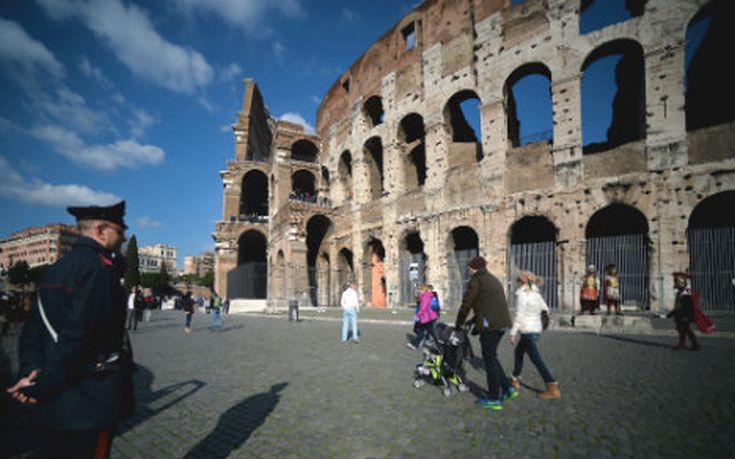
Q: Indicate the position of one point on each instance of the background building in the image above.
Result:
(199, 265)
(152, 256)
(398, 187)
(39, 245)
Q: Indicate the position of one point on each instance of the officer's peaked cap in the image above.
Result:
(113, 213)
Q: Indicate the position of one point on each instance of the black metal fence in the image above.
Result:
(630, 253)
(539, 258)
(712, 267)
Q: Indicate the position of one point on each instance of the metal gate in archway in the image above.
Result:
(712, 267)
(413, 268)
(630, 253)
(249, 280)
(539, 258)
(459, 276)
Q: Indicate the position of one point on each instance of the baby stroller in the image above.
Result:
(445, 365)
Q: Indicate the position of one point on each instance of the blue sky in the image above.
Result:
(117, 99)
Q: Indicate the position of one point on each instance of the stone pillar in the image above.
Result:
(567, 150)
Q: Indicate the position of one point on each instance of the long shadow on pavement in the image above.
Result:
(632, 340)
(237, 424)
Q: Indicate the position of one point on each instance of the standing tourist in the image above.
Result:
(683, 312)
(350, 307)
(611, 293)
(187, 304)
(589, 294)
(485, 297)
(529, 305)
(75, 355)
(133, 300)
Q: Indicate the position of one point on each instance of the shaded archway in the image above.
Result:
(373, 153)
(412, 264)
(412, 133)
(463, 245)
(528, 102)
(618, 234)
(711, 245)
(462, 116)
(619, 63)
(304, 150)
(317, 229)
(373, 109)
(250, 278)
(345, 173)
(533, 248)
(254, 195)
(374, 273)
(303, 186)
(345, 272)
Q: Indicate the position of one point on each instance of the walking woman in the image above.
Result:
(529, 304)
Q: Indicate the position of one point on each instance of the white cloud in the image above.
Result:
(230, 72)
(226, 128)
(147, 222)
(18, 48)
(121, 153)
(279, 51)
(95, 73)
(250, 15)
(36, 191)
(316, 100)
(140, 123)
(70, 109)
(297, 119)
(348, 17)
(134, 40)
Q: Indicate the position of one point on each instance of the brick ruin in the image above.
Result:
(396, 187)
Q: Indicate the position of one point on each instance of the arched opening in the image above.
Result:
(413, 267)
(412, 133)
(345, 173)
(254, 196)
(345, 271)
(709, 89)
(373, 153)
(317, 229)
(613, 96)
(325, 177)
(304, 150)
(323, 280)
(464, 245)
(373, 108)
(533, 248)
(711, 245)
(528, 102)
(250, 278)
(302, 186)
(462, 115)
(595, 15)
(618, 234)
(374, 273)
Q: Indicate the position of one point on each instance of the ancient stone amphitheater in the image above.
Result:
(399, 185)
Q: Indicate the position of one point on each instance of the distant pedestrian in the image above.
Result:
(590, 293)
(611, 292)
(683, 312)
(216, 309)
(485, 297)
(188, 305)
(350, 308)
(226, 305)
(132, 317)
(527, 322)
(425, 318)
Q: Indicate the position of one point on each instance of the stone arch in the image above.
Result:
(249, 279)
(628, 121)
(318, 229)
(412, 133)
(303, 186)
(373, 154)
(618, 234)
(412, 261)
(535, 74)
(465, 126)
(254, 194)
(709, 89)
(532, 247)
(345, 270)
(374, 283)
(711, 246)
(595, 15)
(304, 150)
(463, 244)
(373, 110)
(344, 168)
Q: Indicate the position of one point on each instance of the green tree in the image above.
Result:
(132, 273)
(207, 280)
(19, 273)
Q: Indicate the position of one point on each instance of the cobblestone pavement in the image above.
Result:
(267, 387)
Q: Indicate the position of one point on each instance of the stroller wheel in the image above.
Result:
(447, 392)
(462, 387)
(418, 384)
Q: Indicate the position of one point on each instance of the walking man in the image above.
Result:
(485, 297)
(75, 355)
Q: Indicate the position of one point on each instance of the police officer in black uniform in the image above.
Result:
(75, 357)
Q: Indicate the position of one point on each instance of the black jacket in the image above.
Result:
(84, 302)
(485, 297)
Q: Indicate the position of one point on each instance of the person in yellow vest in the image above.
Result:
(589, 294)
(611, 292)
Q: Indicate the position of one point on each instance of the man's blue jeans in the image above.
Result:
(527, 345)
(349, 316)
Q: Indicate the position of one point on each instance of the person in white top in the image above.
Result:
(350, 307)
(132, 321)
(529, 304)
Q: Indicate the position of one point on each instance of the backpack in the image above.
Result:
(435, 304)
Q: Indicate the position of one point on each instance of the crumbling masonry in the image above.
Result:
(396, 187)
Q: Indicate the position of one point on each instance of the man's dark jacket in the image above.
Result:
(485, 297)
(84, 302)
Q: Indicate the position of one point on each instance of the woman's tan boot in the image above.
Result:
(552, 392)
(515, 383)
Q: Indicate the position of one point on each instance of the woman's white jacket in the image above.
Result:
(529, 304)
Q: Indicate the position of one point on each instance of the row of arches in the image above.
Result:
(617, 233)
